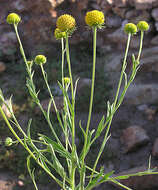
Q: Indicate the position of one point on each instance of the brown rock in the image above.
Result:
(139, 182)
(2, 67)
(133, 137)
(155, 148)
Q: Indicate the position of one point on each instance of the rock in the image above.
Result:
(83, 84)
(44, 103)
(136, 15)
(9, 41)
(119, 3)
(119, 37)
(113, 21)
(155, 148)
(139, 182)
(150, 112)
(82, 4)
(2, 67)
(141, 94)
(154, 14)
(156, 26)
(154, 40)
(134, 137)
(149, 64)
(142, 4)
(119, 11)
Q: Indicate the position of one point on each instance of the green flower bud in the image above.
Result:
(40, 59)
(8, 141)
(13, 18)
(66, 80)
(130, 28)
(58, 34)
(143, 26)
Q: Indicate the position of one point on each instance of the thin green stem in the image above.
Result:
(82, 175)
(93, 79)
(141, 45)
(28, 150)
(73, 165)
(62, 61)
(21, 48)
(114, 104)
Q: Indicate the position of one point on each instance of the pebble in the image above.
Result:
(155, 148)
(134, 137)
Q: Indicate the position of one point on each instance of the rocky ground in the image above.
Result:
(134, 132)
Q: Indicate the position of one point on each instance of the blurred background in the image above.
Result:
(134, 132)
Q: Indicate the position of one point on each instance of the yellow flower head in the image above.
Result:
(13, 18)
(130, 28)
(143, 26)
(95, 18)
(8, 141)
(66, 80)
(66, 23)
(58, 34)
(40, 59)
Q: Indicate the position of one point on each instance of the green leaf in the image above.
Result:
(100, 127)
(67, 97)
(57, 147)
(123, 177)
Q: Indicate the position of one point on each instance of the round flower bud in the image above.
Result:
(58, 34)
(130, 28)
(66, 80)
(40, 59)
(94, 18)
(8, 141)
(143, 26)
(13, 18)
(66, 23)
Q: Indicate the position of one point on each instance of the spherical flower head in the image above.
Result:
(66, 80)
(40, 59)
(130, 28)
(95, 18)
(13, 18)
(8, 141)
(66, 23)
(143, 26)
(58, 34)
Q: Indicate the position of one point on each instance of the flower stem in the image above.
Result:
(141, 45)
(73, 167)
(115, 101)
(82, 175)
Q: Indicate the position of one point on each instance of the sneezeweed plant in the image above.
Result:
(48, 157)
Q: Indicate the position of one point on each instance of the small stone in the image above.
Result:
(155, 148)
(2, 67)
(113, 21)
(154, 14)
(154, 40)
(134, 137)
(20, 183)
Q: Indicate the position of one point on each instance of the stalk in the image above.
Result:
(73, 165)
(114, 105)
(82, 175)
